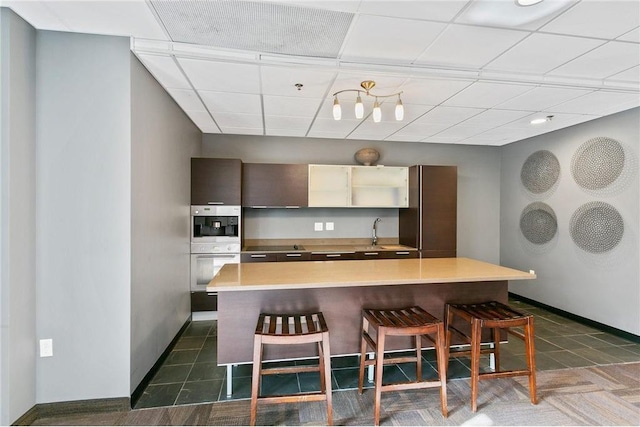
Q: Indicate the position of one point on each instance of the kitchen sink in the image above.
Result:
(380, 248)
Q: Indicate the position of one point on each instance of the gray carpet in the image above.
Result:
(598, 395)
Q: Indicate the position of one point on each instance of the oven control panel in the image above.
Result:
(215, 248)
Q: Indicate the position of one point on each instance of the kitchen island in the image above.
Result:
(340, 289)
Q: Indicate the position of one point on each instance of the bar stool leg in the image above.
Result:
(255, 376)
(476, 338)
(418, 339)
(531, 359)
(326, 375)
(378, 377)
(448, 320)
(442, 360)
(363, 355)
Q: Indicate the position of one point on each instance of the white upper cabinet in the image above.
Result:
(358, 186)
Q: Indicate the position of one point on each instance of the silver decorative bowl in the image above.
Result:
(367, 156)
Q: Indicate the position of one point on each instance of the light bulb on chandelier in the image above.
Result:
(376, 114)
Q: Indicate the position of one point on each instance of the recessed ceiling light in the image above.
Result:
(527, 2)
(541, 120)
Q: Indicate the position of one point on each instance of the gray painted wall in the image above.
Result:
(604, 287)
(163, 141)
(478, 184)
(83, 244)
(18, 213)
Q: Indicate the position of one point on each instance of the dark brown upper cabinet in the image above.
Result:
(430, 221)
(274, 185)
(216, 181)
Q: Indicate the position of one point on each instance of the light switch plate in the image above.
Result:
(329, 226)
(317, 226)
(46, 348)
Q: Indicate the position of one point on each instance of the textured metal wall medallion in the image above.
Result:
(596, 227)
(538, 223)
(597, 163)
(540, 171)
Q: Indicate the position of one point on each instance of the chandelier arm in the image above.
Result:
(368, 93)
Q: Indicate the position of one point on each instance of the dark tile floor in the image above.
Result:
(190, 374)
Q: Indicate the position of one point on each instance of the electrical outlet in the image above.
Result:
(317, 226)
(329, 226)
(46, 348)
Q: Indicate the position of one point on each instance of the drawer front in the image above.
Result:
(402, 254)
(371, 255)
(293, 256)
(258, 257)
(202, 301)
(333, 256)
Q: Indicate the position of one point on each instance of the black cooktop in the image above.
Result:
(274, 248)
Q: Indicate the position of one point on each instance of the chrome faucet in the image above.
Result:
(374, 241)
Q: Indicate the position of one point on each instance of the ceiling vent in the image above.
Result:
(255, 26)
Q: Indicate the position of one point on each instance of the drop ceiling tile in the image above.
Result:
(222, 76)
(338, 5)
(469, 46)
(223, 102)
(329, 125)
(390, 40)
(165, 70)
(283, 122)
(230, 130)
(486, 95)
(237, 120)
(458, 132)
(558, 121)
(541, 98)
(448, 115)
(493, 118)
(404, 137)
(631, 36)
(203, 121)
(427, 10)
(286, 132)
(420, 130)
(585, 19)
(431, 91)
(332, 135)
(540, 53)
(289, 106)
(508, 14)
(630, 75)
(604, 61)
(441, 140)
(121, 18)
(370, 130)
(187, 99)
(281, 81)
(598, 103)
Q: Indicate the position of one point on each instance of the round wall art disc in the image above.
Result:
(538, 223)
(540, 171)
(597, 163)
(596, 227)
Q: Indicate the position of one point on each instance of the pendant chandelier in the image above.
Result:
(367, 85)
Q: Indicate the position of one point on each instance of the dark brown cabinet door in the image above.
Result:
(293, 256)
(265, 184)
(216, 181)
(430, 222)
(333, 257)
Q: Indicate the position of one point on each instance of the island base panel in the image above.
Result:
(238, 313)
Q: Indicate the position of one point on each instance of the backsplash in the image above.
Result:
(300, 223)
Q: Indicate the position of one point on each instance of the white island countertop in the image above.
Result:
(337, 274)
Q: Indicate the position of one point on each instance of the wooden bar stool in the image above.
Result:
(410, 321)
(283, 329)
(496, 316)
